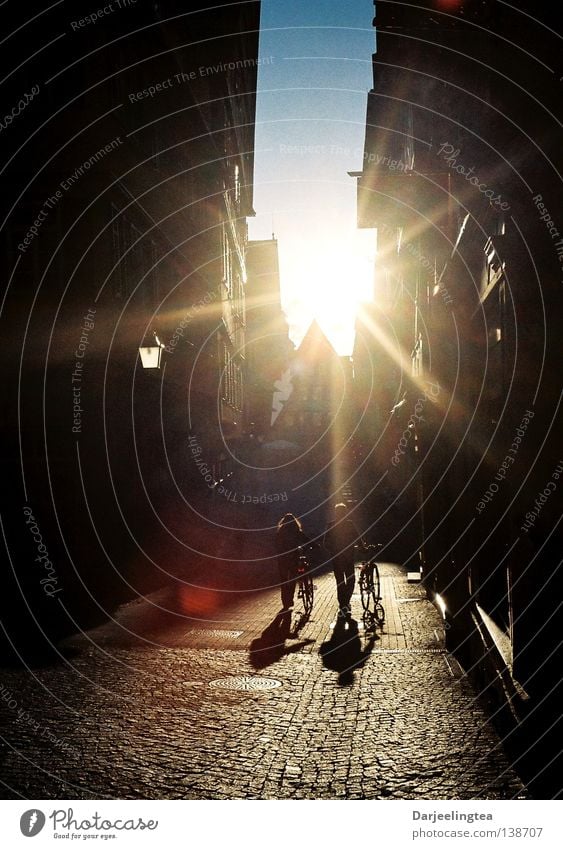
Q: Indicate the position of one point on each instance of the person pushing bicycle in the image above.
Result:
(290, 539)
(339, 541)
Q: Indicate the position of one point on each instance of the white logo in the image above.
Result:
(282, 390)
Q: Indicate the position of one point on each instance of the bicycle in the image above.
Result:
(305, 588)
(370, 590)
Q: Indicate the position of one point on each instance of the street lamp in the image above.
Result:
(151, 354)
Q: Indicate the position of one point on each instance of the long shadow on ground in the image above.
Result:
(271, 646)
(344, 652)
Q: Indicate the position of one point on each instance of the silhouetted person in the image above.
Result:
(289, 538)
(339, 541)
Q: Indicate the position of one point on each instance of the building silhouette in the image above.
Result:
(129, 180)
(462, 341)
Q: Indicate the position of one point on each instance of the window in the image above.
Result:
(237, 185)
(232, 390)
(227, 263)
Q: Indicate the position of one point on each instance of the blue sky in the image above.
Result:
(312, 92)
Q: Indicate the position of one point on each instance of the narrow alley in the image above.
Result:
(164, 705)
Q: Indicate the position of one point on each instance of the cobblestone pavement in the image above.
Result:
(144, 708)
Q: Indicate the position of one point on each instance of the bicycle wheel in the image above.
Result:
(379, 610)
(374, 613)
(307, 593)
(368, 592)
(376, 586)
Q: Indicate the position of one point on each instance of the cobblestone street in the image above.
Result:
(144, 707)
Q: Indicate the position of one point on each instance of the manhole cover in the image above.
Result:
(245, 682)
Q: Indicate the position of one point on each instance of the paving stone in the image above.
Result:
(353, 717)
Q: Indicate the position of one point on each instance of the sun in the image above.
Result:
(327, 279)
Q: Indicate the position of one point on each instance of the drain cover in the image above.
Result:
(245, 682)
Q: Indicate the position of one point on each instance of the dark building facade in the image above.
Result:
(128, 165)
(462, 342)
